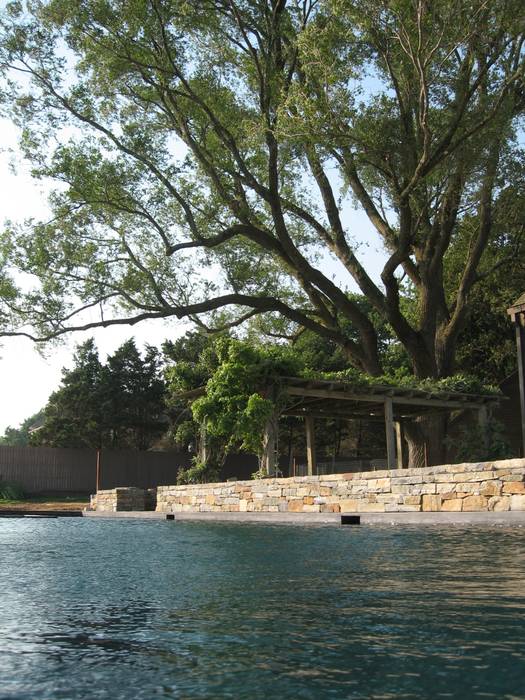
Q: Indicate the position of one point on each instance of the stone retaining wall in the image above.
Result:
(119, 499)
(487, 486)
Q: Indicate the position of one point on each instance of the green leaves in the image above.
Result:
(243, 393)
(206, 156)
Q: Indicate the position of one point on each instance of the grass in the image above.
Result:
(51, 501)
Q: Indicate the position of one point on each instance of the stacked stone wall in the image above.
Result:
(487, 486)
(113, 500)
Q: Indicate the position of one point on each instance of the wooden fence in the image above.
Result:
(49, 469)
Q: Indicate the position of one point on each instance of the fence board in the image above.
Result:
(49, 469)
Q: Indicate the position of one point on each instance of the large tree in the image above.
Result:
(207, 153)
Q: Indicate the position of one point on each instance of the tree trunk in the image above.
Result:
(425, 437)
(268, 458)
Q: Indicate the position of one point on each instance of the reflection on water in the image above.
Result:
(125, 610)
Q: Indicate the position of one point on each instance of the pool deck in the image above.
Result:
(505, 518)
(34, 513)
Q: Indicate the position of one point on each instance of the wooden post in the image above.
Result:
(390, 434)
(310, 444)
(483, 422)
(517, 315)
(520, 345)
(399, 443)
(98, 472)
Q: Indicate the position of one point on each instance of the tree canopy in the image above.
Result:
(118, 405)
(206, 154)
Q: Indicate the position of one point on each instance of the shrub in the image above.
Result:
(10, 491)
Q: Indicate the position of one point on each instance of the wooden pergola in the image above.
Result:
(318, 398)
(393, 405)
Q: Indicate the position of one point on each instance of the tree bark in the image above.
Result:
(425, 437)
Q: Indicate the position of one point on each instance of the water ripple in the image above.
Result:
(140, 610)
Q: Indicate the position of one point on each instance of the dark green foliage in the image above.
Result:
(474, 444)
(11, 491)
(199, 473)
(460, 382)
(21, 436)
(118, 405)
(74, 414)
(133, 393)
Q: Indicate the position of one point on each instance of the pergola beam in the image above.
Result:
(380, 398)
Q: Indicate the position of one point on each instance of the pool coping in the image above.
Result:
(504, 518)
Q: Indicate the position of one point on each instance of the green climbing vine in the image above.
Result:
(243, 393)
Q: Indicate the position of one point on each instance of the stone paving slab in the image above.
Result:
(503, 519)
(128, 514)
(508, 518)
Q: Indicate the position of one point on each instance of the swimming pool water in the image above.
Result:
(136, 609)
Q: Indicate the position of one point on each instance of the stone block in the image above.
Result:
(490, 488)
(403, 489)
(412, 500)
(364, 507)
(378, 484)
(307, 508)
(308, 500)
(517, 502)
(499, 503)
(452, 504)
(350, 505)
(431, 502)
(401, 508)
(474, 503)
(446, 490)
(330, 508)
(514, 487)
(475, 476)
(444, 478)
(406, 480)
(295, 506)
(210, 500)
(304, 491)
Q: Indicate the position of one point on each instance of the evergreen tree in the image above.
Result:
(118, 405)
(134, 394)
(74, 414)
